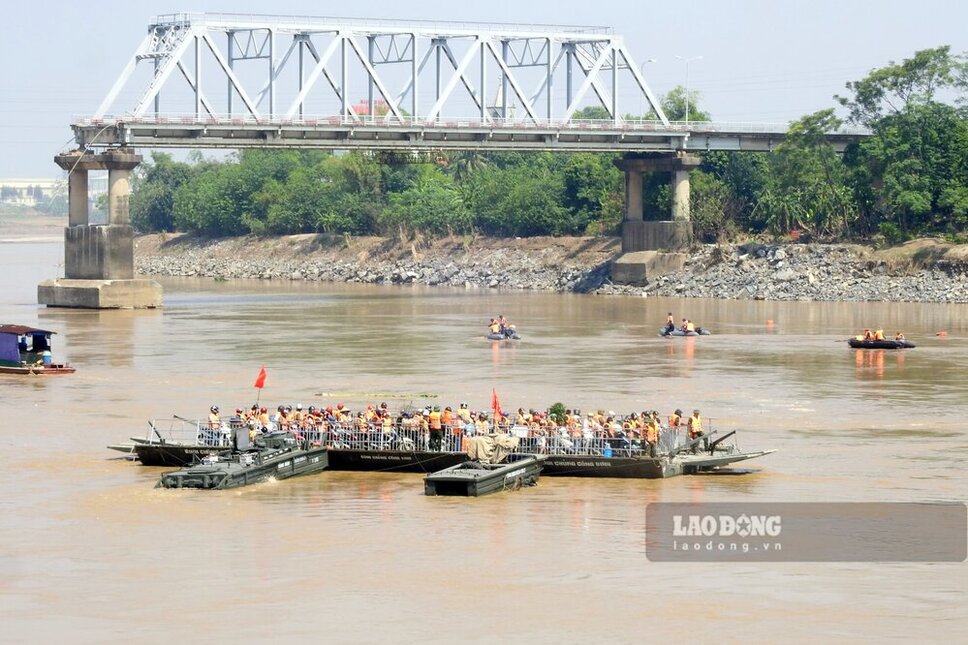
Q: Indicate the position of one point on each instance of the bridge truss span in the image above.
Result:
(236, 81)
(279, 67)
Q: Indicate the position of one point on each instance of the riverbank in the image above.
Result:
(920, 271)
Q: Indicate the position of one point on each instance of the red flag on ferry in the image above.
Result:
(260, 380)
(495, 404)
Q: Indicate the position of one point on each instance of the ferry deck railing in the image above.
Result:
(409, 437)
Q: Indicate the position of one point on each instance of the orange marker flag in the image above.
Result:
(495, 404)
(260, 380)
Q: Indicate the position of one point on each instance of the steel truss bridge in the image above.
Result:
(238, 81)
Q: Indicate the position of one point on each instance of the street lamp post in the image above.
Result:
(687, 61)
(642, 69)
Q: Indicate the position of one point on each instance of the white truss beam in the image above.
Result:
(364, 51)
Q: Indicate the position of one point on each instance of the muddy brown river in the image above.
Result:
(91, 552)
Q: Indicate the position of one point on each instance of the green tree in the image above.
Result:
(674, 105)
(153, 192)
(910, 177)
(592, 186)
(517, 201)
(713, 207)
(206, 204)
(433, 205)
(898, 87)
(806, 184)
(462, 165)
(592, 113)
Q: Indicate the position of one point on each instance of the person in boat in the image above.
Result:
(464, 413)
(436, 428)
(868, 335)
(423, 427)
(675, 420)
(695, 428)
(652, 435)
(452, 425)
(494, 326)
(504, 422)
(214, 420)
(898, 336)
(670, 323)
(879, 334)
(481, 425)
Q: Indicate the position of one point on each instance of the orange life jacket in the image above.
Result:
(695, 426)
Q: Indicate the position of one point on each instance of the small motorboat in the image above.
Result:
(859, 343)
(700, 331)
(512, 335)
(26, 350)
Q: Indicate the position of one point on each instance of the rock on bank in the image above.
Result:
(920, 271)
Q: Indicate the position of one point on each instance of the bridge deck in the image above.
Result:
(337, 132)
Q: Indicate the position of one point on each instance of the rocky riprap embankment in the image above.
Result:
(749, 271)
(534, 268)
(806, 272)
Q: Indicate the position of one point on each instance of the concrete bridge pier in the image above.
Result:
(654, 248)
(99, 258)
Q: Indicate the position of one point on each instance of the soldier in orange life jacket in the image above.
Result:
(436, 429)
(695, 427)
(675, 420)
(652, 434)
(214, 420)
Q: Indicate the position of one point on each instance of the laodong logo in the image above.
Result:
(726, 525)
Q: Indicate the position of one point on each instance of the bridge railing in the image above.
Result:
(451, 123)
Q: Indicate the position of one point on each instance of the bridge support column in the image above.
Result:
(680, 196)
(77, 214)
(99, 259)
(651, 248)
(634, 207)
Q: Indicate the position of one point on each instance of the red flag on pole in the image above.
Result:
(495, 404)
(260, 380)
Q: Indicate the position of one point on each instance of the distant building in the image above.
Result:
(30, 192)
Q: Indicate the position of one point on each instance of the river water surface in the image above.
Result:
(91, 552)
